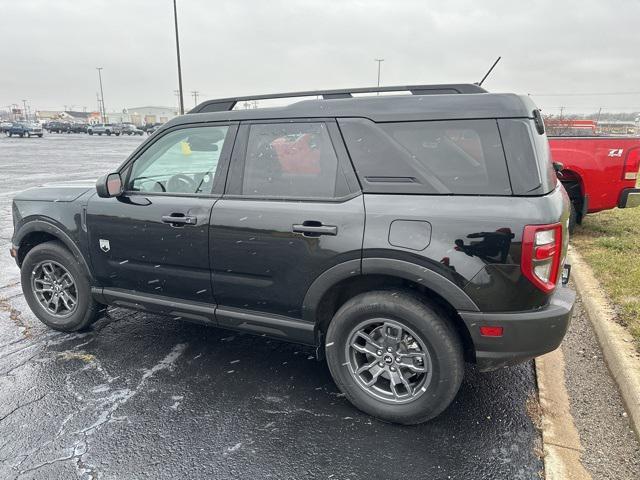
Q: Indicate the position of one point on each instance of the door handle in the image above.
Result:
(312, 228)
(179, 219)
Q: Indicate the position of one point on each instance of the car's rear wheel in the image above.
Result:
(394, 356)
(57, 288)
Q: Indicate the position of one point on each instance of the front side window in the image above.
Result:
(290, 160)
(182, 161)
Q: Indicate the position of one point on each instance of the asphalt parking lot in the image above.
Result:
(142, 396)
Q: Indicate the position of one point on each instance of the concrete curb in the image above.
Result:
(617, 344)
(560, 437)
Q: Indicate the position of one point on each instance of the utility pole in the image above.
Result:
(177, 94)
(175, 18)
(379, 60)
(561, 111)
(103, 112)
(24, 111)
(195, 94)
(99, 105)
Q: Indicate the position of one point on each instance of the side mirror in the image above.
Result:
(109, 185)
(557, 166)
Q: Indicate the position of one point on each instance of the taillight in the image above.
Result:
(541, 254)
(631, 165)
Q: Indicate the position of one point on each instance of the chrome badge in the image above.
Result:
(104, 245)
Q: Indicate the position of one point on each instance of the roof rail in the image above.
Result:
(226, 104)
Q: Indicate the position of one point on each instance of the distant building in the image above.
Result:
(117, 117)
(617, 127)
(47, 115)
(81, 117)
(148, 115)
(67, 116)
(569, 127)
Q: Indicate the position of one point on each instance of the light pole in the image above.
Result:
(103, 111)
(175, 18)
(379, 60)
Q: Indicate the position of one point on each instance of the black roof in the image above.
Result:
(427, 102)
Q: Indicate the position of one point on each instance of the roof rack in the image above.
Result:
(226, 104)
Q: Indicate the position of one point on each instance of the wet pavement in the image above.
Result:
(143, 396)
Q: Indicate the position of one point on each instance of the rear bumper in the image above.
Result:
(630, 197)
(525, 334)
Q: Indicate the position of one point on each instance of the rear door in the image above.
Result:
(154, 238)
(292, 209)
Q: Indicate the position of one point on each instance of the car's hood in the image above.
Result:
(57, 192)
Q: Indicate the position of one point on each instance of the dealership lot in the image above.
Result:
(145, 396)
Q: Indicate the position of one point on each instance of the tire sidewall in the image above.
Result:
(427, 322)
(85, 309)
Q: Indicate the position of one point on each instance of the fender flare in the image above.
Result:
(36, 226)
(432, 280)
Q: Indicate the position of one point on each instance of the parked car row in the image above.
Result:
(98, 129)
(65, 127)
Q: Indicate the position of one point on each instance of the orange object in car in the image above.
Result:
(297, 155)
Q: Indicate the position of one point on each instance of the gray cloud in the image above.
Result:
(250, 46)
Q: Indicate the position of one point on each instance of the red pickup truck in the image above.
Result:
(598, 172)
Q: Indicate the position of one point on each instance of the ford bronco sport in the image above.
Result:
(400, 234)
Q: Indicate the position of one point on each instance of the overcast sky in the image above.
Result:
(239, 47)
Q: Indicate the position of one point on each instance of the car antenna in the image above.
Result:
(487, 74)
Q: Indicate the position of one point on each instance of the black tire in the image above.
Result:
(429, 324)
(90, 132)
(86, 310)
(573, 217)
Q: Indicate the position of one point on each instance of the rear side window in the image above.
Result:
(528, 157)
(438, 157)
(294, 160)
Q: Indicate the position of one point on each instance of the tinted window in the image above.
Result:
(182, 161)
(528, 157)
(290, 160)
(445, 157)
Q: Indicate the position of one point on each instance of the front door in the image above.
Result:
(291, 211)
(153, 239)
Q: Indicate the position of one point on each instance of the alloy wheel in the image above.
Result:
(54, 288)
(388, 360)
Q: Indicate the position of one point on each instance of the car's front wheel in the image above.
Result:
(57, 288)
(395, 356)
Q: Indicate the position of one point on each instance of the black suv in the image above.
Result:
(402, 235)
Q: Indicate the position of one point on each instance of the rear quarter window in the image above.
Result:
(434, 157)
(528, 156)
